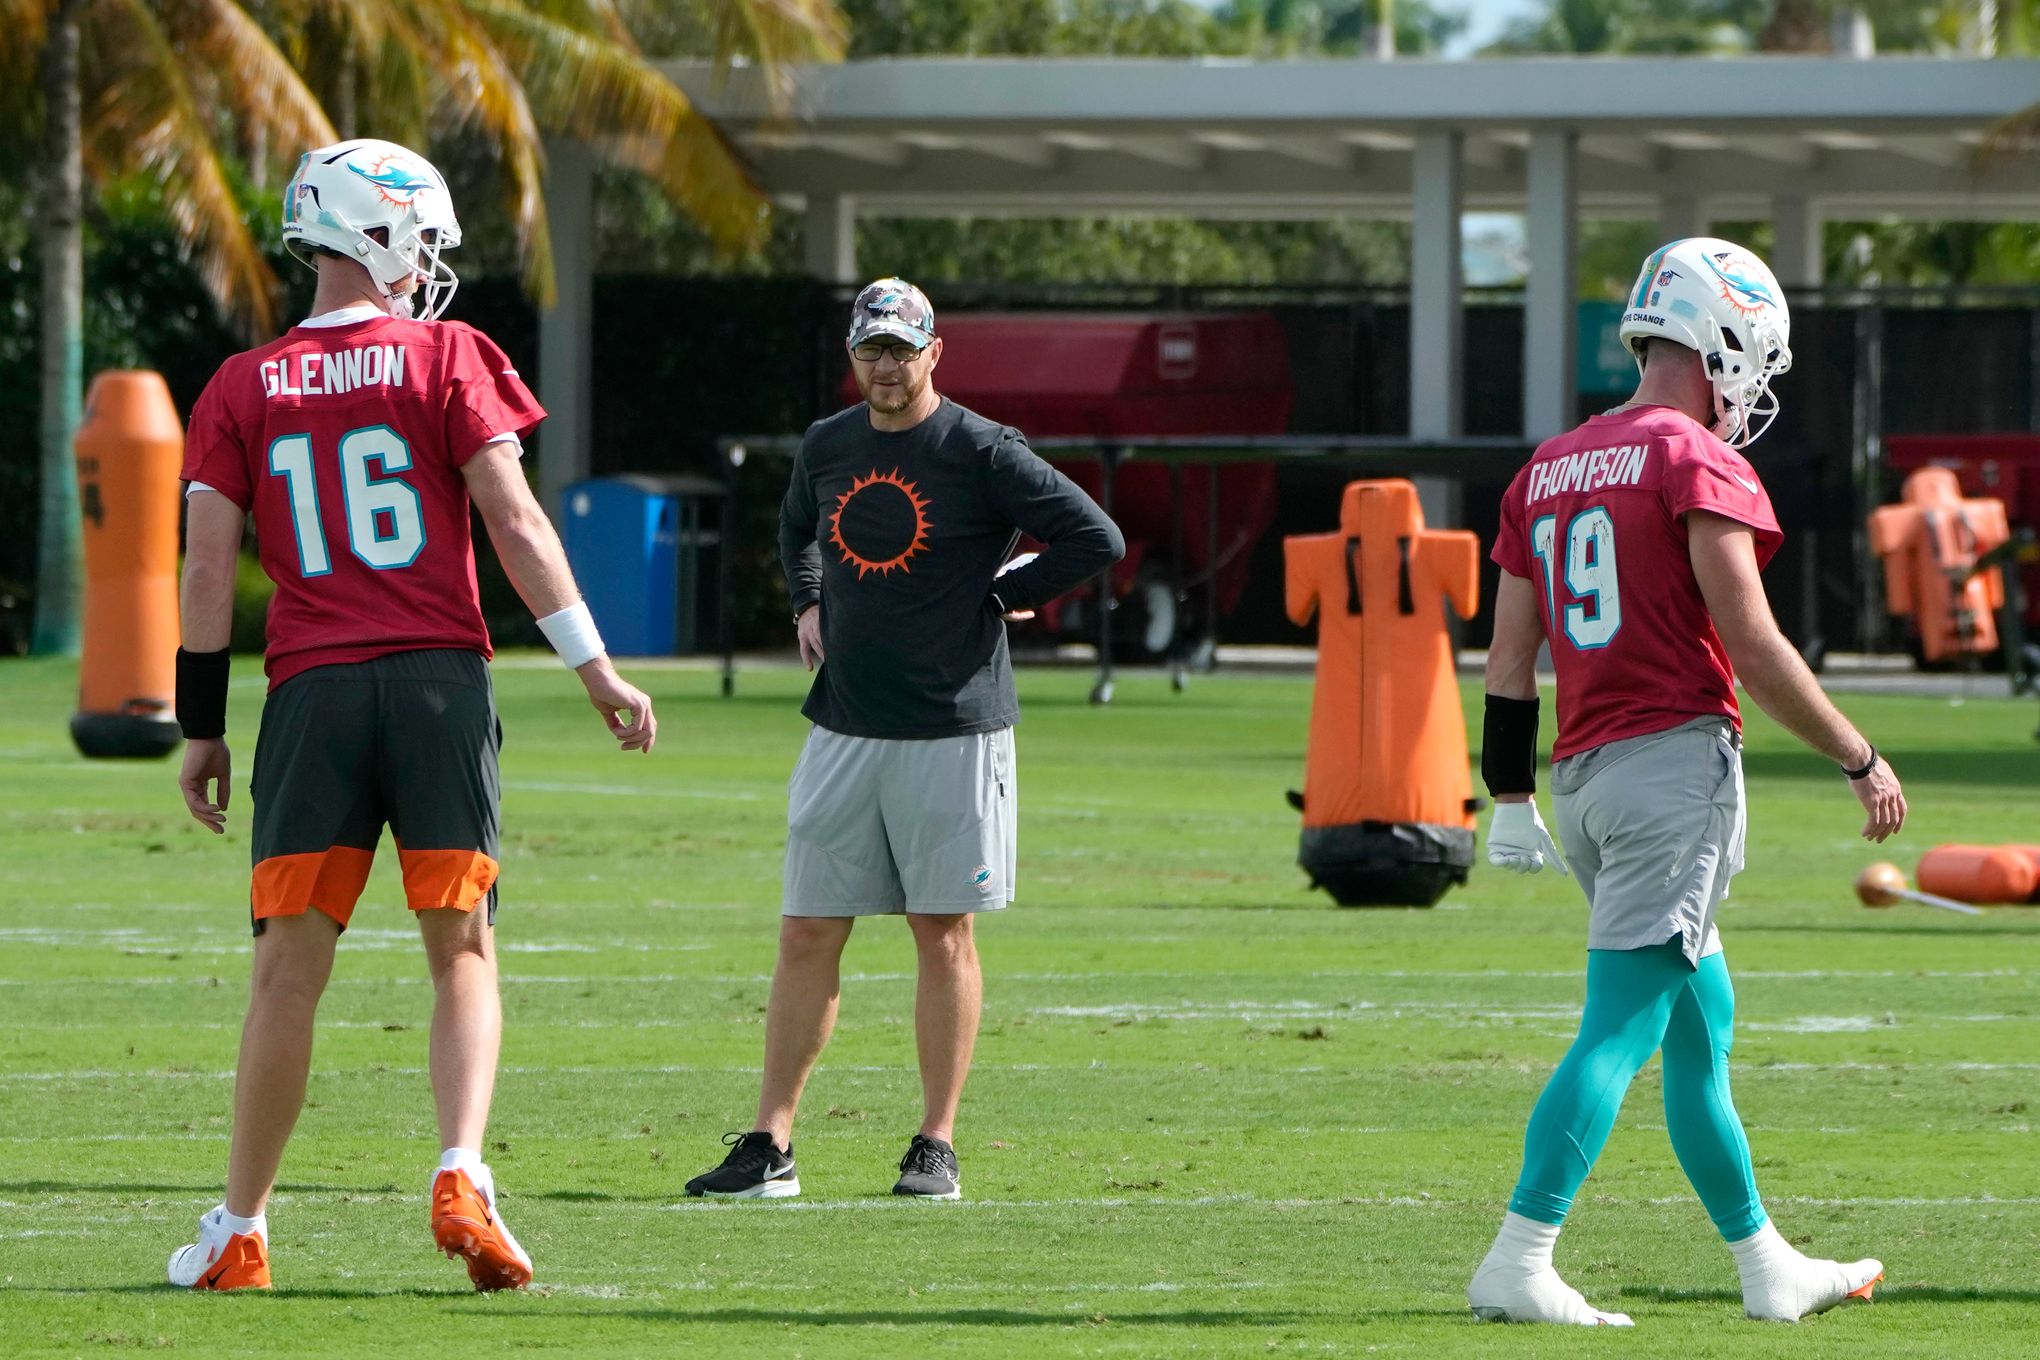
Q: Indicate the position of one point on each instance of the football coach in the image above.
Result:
(899, 516)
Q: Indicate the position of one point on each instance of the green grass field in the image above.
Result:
(1211, 1115)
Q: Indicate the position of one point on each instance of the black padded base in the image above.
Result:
(125, 735)
(1386, 864)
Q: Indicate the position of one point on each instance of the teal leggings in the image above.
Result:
(1639, 1000)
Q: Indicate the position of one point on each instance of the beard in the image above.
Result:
(893, 398)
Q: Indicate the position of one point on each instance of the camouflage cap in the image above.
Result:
(892, 307)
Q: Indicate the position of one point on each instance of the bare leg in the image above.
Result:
(800, 1015)
(947, 999)
(467, 1020)
(293, 959)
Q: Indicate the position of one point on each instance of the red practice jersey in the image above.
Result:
(1596, 521)
(345, 444)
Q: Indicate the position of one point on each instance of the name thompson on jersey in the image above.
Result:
(1588, 470)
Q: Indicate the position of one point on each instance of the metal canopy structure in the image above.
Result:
(1794, 140)
(1310, 139)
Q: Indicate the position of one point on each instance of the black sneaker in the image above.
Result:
(928, 1171)
(755, 1169)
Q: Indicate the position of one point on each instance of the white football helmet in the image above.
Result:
(1720, 300)
(342, 192)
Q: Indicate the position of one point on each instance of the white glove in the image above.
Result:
(1517, 840)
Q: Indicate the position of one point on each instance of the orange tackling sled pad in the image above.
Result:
(1388, 794)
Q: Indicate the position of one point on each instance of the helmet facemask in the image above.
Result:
(1744, 404)
(436, 279)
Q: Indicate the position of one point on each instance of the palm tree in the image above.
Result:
(513, 71)
(119, 97)
(183, 92)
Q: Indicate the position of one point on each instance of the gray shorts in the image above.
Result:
(1653, 830)
(875, 826)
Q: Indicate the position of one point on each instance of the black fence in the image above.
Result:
(682, 362)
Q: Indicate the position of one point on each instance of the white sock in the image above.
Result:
(460, 1159)
(470, 1161)
(1524, 1241)
(258, 1226)
(1757, 1251)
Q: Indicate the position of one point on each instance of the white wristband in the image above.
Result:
(572, 634)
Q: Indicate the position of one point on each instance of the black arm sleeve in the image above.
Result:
(1044, 504)
(799, 555)
(1508, 748)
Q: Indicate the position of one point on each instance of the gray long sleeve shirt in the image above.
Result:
(898, 535)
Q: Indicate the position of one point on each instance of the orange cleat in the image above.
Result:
(465, 1224)
(1868, 1287)
(221, 1259)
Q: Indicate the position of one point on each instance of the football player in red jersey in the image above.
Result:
(1633, 545)
(357, 443)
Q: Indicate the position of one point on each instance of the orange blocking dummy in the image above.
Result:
(1988, 875)
(1387, 793)
(1929, 544)
(128, 448)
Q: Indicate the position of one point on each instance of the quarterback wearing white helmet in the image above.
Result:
(1631, 545)
(361, 444)
(1721, 301)
(342, 194)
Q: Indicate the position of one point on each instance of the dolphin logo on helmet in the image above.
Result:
(398, 184)
(1738, 282)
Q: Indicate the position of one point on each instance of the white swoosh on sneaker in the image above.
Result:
(1748, 485)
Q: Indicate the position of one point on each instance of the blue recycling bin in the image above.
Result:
(644, 550)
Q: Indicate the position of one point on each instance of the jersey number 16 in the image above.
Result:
(1595, 615)
(385, 519)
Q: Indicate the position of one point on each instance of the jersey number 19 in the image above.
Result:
(1595, 615)
(385, 519)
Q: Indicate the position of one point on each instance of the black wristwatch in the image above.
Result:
(811, 604)
(1853, 775)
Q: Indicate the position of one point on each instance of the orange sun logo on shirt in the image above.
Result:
(885, 541)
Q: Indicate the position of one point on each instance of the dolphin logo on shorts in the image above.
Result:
(981, 878)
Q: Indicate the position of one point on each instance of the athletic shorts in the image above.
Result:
(1653, 828)
(409, 740)
(875, 826)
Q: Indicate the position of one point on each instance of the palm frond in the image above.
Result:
(23, 27)
(248, 74)
(144, 116)
(593, 90)
(776, 34)
(599, 18)
(458, 62)
(2018, 135)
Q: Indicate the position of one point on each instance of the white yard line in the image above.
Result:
(629, 790)
(877, 1203)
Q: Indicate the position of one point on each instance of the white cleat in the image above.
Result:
(1509, 1291)
(1787, 1289)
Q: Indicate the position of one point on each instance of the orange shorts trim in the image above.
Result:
(446, 878)
(330, 880)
